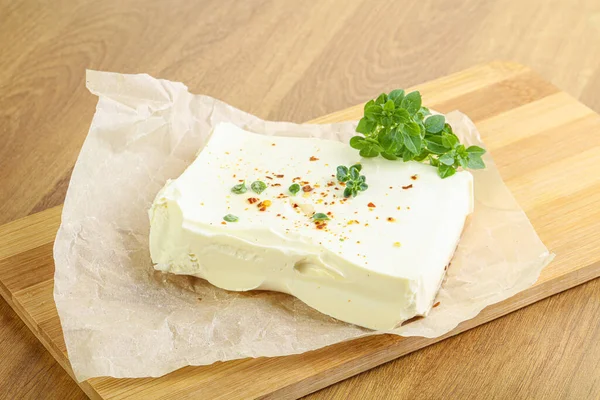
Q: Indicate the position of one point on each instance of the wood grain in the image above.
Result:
(493, 94)
(278, 59)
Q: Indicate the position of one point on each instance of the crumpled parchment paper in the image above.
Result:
(122, 318)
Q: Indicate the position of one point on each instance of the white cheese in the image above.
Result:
(378, 261)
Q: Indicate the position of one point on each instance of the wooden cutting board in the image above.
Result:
(547, 147)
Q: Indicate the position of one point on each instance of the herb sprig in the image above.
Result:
(397, 126)
(294, 188)
(351, 177)
(240, 188)
(231, 218)
(258, 187)
(320, 217)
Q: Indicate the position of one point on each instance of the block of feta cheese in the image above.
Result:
(377, 261)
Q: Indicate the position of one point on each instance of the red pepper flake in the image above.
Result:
(269, 177)
(329, 213)
(272, 144)
(223, 223)
(390, 219)
(436, 304)
(321, 226)
(279, 215)
(414, 178)
(333, 202)
(371, 205)
(391, 187)
(306, 188)
(296, 179)
(262, 209)
(276, 184)
(329, 184)
(295, 205)
(234, 175)
(279, 175)
(304, 182)
(252, 200)
(342, 183)
(240, 180)
(336, 188)
(407, 187)
(313, 158)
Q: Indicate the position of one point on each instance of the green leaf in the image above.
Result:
(381, 99)
(447, 128)
(356, 166)
(373, 113)
(365, 126)
(239, 188)
(342, 173)
(258, 187)
(445, 171)
(368, 103)
(389, 105)
(348, 192)
(369, 151)
(421, 156)
(412, 102)
(447, 159)
(294, 188)
(397, 96)
(358, 142)
(463, 162)
(354, 173)
(231, 218)
(434, 144)
(389, 156)
(391, 141)
(475, 150)
(407, 155)
(412, 143)
(434, 161)
(435, 123)
(412, 129)
(425, 111)
(475, 162)
(320, 217)
(363, 186)
(412, 137)
(400, 116)
(449, 140)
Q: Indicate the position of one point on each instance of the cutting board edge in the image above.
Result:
(531, 295)
(63, 361)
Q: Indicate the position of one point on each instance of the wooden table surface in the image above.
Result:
(290, 60)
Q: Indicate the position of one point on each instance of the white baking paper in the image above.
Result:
(121, 318)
